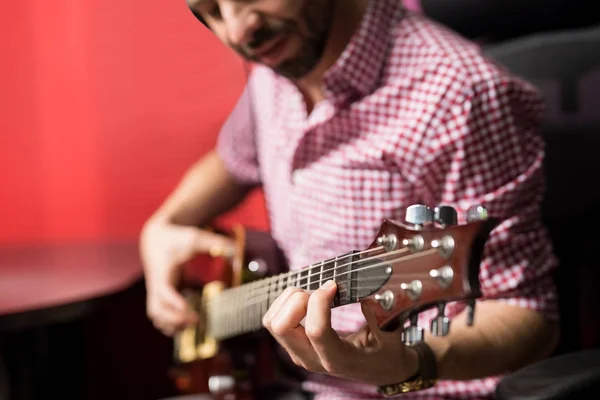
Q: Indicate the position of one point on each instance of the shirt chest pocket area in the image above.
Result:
(346, 206)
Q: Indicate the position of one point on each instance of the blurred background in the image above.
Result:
(104, 105)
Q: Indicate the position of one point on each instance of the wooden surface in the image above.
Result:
(38, 277)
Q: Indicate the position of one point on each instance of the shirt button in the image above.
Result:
(296, 177)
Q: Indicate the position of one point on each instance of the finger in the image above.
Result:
(214, 244)
(165, 330)
(169, 296)
(164, 317)
(330, 348)
(167, 307)
(274, 308)
(287, 330)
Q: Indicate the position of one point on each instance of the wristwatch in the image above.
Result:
(425, 377)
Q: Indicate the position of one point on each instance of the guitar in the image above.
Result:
(422, 263)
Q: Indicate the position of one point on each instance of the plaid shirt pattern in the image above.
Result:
(413, 114)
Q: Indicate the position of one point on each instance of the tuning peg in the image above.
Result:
(440, 325)
(476, 213)
(445, 215)
(419, 215)
(470, 311)
(414, 333)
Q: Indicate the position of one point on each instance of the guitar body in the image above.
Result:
(239, 367)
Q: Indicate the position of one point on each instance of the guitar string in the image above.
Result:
(345, 289)
(322, 264)
(253, 317)
(264, 287)
(250, 307)
(267, 282)
(240, 289)
(265, 296)
(260, 298)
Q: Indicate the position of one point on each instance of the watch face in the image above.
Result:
(412, 384)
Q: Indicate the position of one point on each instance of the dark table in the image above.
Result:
(44, 286)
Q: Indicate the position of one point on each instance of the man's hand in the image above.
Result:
(164, 248)
(369, 355)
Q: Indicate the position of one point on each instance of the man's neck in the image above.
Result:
(347, 16)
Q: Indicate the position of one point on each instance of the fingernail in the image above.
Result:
(329, 284)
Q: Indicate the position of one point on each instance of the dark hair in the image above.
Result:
(199, 17)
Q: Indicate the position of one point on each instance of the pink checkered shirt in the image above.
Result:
(413, 114)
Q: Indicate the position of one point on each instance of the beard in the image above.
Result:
(312, 28)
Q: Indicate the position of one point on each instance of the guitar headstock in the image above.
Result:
(424, 263)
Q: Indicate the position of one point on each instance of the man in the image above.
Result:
(355, 110)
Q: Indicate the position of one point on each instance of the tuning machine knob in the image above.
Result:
(419, 215)
(440, 325)
(388, 241)
(476, 213)
(445, 215)
(386, 300)
(413, 334)
(413, 289)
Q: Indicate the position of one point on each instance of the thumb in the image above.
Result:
(371, 320)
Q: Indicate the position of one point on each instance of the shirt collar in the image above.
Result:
(360, 65)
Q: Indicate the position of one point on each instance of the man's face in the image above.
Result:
(288, 36)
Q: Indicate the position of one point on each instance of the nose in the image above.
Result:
(240, 21)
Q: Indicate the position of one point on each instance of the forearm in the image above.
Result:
(502, 339)
(205, 191)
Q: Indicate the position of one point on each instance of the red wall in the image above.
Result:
(103, 105)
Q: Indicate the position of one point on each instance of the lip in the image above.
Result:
(274, 51)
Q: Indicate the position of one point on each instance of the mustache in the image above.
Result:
(263, 35)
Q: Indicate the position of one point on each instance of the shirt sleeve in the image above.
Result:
(236, 144)
(485, 149)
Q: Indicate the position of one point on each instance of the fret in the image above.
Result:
(254, 306)
(249, 310)
(335, 269)
(239, 305)
(281, 285)
(343, 275)
(228, 321)
(321, 281)
(314, 272)
(296, 279)
(328, 270)
(236, 306)
(272, 290)
(352, 276)
(303, 278)
(264, 298)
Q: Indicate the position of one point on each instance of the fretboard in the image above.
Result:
(240, 310)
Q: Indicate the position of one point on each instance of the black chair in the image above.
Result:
(566, 67)
(498, 20)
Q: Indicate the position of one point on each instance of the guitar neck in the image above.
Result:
(240, 310)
